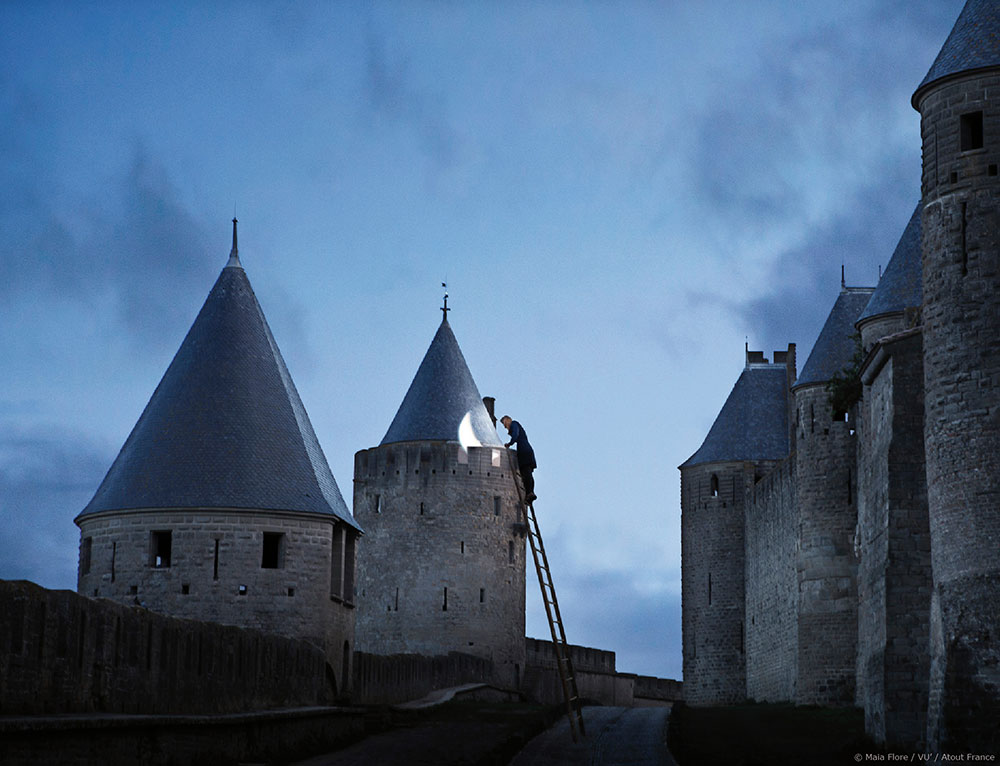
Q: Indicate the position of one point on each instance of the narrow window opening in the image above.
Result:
(444, 606)
(85, 553)
(338, 547)
(421, 509)
(349, 543)
(709, 588)
(185, 589)
(953, 178)
(714, 485)
(273, 553)
(114, 554)
(482, 595)
(496, 505)
(242, 590)
(396, 605)
(215, 563)
(991, 170)
(965, 251)
(972, 131)
(160, 549)
(291, 591)
(812, 418)
(463, 547)
(378, 503)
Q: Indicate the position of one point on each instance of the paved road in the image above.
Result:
(616, 736)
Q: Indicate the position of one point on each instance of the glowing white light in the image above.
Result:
(466, 436)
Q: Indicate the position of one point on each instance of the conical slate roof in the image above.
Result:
(901, 286)
(753, 423)
(974, 43)
(441, 397)
(835, 345)
(225, 428)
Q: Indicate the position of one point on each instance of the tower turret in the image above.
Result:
(826, 491)
(220, 505)
(748, 438)
(960, 127)
(443, 564)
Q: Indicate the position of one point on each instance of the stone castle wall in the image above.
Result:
(712, 581)
(961, 326)
(826, 499)
(894, 577)
(772, 587)
(442, 565)
(64, 653)
(216, 571)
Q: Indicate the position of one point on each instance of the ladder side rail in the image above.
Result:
(557, 645)
(567, 677)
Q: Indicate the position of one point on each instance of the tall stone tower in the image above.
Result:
(893, 539)
(959, 105)
(221, 505)
(826, 499)
(747, 439)
(442, 567)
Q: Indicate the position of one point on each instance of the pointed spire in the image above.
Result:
(843, 282)
(441, 397)
(234, 254)
(445, 310)
(225, 428)
(974, 44)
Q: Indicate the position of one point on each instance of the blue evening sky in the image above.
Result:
(617, 193)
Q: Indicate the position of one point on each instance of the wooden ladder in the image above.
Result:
(564, 663)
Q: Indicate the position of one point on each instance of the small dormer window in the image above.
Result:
(972, 131)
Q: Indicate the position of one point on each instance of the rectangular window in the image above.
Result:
(114, 553)
(482, 595)
(349, 541)
(215, 563)
(160, 544)
(972, 131)
(338, 545)
(444, 606)
(496, 505)
(273, 555)
(496, 458)
(86, 549)
(378, 503)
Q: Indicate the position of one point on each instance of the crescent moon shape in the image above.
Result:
(466, 435)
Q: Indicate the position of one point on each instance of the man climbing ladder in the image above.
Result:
(525, 456)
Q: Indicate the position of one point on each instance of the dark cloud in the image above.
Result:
(136, 246)
(45, 481)
(794, 115)
(393, 96)
(804, 281)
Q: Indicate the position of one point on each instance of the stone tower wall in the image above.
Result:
(772, 586)
(712, 582)
(961, 326)
(894, 577)
(215, 572)
(442, 565)
(826, 494)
